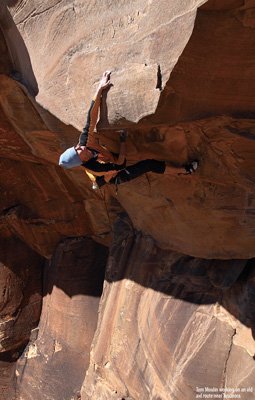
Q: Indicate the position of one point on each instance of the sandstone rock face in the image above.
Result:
(20, 305)
(178, 209)
(215, 66)
(35, 210)
(173, 326)
(177, 308)
(70, 44)
(68, 322)
(224, 146)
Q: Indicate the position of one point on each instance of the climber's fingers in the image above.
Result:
(105, 80)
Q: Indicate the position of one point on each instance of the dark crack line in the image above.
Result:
(227, 358)
(36, 13)
(245, 133)
(159, 79)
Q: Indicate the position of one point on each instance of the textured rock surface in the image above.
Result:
(222, 197)
(173, 326)
(38, 194)
(20, 305)
(54, 364)
(178, 210)
(77, 40)
(168, 322)
(215, 73)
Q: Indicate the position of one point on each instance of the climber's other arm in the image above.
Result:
(86, 136)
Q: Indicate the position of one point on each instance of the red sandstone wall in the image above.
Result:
(177, 307)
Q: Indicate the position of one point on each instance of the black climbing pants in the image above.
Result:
(133, 171)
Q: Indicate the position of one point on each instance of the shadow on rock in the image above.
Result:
(20, 67)
(136, 257)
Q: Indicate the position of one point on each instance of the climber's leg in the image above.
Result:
(138, 169)
(141, 167)
(171, 170)
(133, 171)
(158, 167)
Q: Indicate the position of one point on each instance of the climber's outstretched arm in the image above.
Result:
(87, 137)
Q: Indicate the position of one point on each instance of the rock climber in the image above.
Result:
(103, 166)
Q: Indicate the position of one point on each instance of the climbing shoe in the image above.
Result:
(191, 167)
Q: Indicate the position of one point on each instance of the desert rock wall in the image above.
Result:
(54, 364)
(71, 43)
(175, 325)
(146, 292)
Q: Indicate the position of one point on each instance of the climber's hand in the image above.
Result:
(105, 80)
